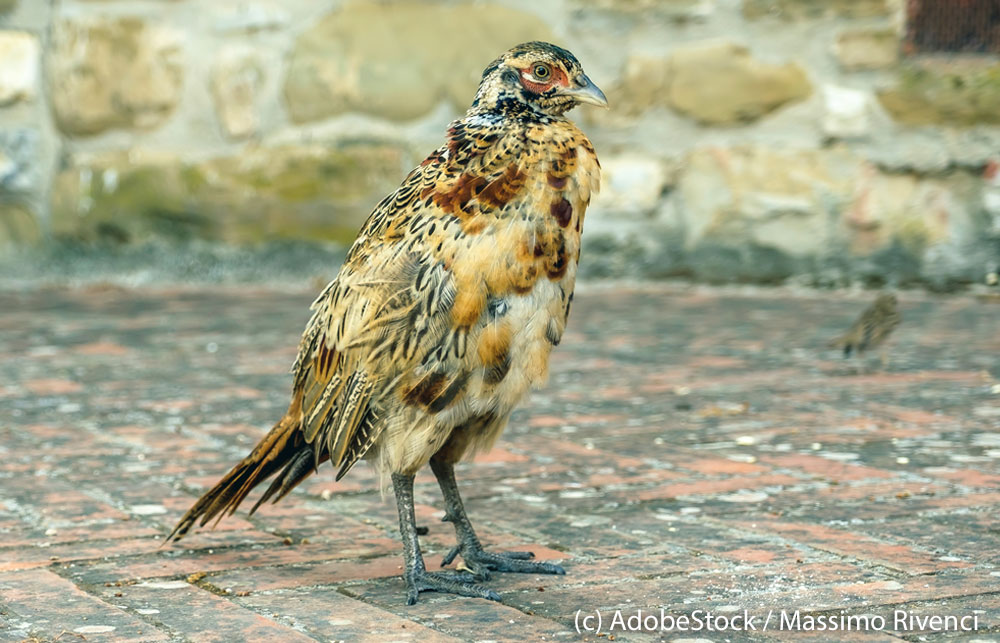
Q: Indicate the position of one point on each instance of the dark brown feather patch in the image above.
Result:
(504, 188)
(559, 261)
(444, 400)
(557, 182)
(562, 211)
(498, 370)
(455, 199)
(426, 390)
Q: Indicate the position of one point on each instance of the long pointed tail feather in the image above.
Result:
(297, 470)
(282, 449)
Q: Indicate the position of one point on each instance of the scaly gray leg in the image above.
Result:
(478, 560)
(415, 574)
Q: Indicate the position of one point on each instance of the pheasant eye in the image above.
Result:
(541, 72)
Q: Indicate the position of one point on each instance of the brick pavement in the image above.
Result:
(695, 449)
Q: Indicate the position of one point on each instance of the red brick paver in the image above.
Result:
(696, 451)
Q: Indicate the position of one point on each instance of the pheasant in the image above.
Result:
(443, 314)
(872, 328)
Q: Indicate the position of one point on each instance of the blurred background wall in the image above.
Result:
(824, 141)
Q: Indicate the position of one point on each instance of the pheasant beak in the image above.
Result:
(586, 91)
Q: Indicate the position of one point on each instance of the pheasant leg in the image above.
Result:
(415, 574)
(476, 559)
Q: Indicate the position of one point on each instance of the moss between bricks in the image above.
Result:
(956, 92)
(314, 193)
(18, 225)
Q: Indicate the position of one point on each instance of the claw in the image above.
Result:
(479, 571)
(459, 583)
(481, 562)
(476, 560)
(450, 556)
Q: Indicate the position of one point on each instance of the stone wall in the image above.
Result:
(748, 140)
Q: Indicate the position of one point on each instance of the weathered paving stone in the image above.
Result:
(40, 603)
(962, 537)
(209, 559)
(186, 610)
(332, 572)
(321, 612)
(469, 620)
(677, 459)
(878, 551)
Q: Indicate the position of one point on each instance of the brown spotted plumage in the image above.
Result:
(445, 310)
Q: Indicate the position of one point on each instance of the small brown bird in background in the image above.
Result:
(444, 312)
(872, 328)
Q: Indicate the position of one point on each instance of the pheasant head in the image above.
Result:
(536, 77)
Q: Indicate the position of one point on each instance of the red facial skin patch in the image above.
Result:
(558, 78)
